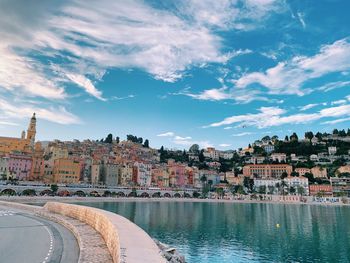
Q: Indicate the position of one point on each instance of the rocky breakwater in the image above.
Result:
(170, 253)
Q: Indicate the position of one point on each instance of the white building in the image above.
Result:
(4, 166)
(296, 182)
(280, 157)
(143, 174)
(332, 150)
(269, 183)
(314, 157)
(211, 153)
(269, 148)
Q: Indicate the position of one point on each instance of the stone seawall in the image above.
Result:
(125, 241)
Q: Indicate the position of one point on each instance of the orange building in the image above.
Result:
(66, 171)
(23, 144)
(37, 163)
(267, 170)
(325, 189)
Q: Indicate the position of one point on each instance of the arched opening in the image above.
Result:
(120, 194)
(167, 195)
(187, 195)
(132, 194)
(177, 195)
(8, 192)
(107, 193)
(63, 193)
(196, 195)
(46, 192)
(80, 193)
(156, 195)
(144, 194)
(95, 194)
(29, 192)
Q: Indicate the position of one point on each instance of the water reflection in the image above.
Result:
(224, 232)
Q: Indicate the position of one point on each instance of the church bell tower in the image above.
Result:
(32, 130)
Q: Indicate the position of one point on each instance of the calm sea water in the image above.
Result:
(225, 232)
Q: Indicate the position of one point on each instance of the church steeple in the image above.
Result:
(32, 130)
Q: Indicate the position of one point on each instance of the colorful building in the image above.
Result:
(20, 165)
(66, 171)
(267, 170)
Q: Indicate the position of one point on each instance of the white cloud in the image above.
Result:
(58, 115)
(228, 128)
(224, 145)
(166, 134)
(179, 138)
(301, 19)
(338, 102)
(242, 134)
(309, 106)
(86, 84)
(274, 116)
(336, 121)
(290, 76)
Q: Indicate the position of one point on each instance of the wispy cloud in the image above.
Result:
(289, 77)
(242, 134)
(275, 116)
(53, 114)
(166, 134)
(225, 145)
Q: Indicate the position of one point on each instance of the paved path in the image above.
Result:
(25, 238)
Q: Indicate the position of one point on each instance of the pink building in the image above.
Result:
(177, 174)
(20, 165)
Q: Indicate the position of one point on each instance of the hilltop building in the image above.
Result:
(24, 144)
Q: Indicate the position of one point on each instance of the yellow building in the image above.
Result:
(23, 144)
(66, 171)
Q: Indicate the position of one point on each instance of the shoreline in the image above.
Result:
(40, 199)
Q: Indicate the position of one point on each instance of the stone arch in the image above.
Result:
(94, 193)
(196, 195)
(63, 193)
(144, 194)
(187, 195)
(107, 193)
(28, 192)
(132, 194)
(156, 195)
(167, 195)
(80, 193)
(177, 195)
(8, 191)
(46, 192)
(121, 194)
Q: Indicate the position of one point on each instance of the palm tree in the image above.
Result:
(300, 190)
(283, 186)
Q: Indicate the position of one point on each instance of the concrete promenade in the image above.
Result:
(28, 238)
(102, 236)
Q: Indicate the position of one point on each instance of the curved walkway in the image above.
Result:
(27, 238)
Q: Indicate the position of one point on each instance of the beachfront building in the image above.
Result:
(37, 163)
(321, 189)
(296, 182)
(66, 171)
(4, 167)
(110, 174)
(268, 183)
(96, 170)
(341, 186)
(267, 170)
(20, 165)
(177, 174)
(125, 175)
(142, 175)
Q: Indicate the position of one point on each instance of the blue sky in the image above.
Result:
(217, 73)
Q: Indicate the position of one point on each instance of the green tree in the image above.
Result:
(117, 140)
(146, 143)
(292, 190)
(271, 189)
(54, 188)
(262, 189)
(220, 192)
(210, 183)
(309, 135)
(300, 190)
(294, 174)
(283, 187)
(294, 137)
(284, 175)
(109, 138)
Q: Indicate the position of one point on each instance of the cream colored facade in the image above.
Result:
(66, 171)
(319, 172)
(343, 169)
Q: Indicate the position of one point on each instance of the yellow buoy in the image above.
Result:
(277, 225)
